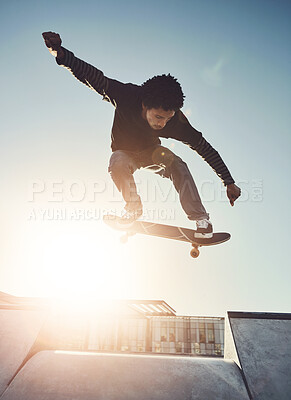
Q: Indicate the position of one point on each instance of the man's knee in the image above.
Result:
(163, 156)
(177, 169)
(120, 163)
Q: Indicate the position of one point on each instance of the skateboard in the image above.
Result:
(165, 231)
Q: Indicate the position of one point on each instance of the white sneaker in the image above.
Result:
(204, 229)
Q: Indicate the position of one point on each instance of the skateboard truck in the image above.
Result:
(194, 253)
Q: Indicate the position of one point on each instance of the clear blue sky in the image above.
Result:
(233, 61)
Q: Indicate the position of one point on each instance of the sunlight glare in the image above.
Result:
(82, 264)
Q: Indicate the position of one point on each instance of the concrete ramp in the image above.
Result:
(18, 332)
(256, 364)
(52, 375)
(260, 343)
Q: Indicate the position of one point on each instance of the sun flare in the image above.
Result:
(83, 263)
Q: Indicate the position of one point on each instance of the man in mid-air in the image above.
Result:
(143, 114)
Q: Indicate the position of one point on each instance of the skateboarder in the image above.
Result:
(143, 114)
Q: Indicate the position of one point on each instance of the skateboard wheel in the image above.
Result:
(194, 252)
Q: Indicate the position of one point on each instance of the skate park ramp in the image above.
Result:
(64, 375)
(18, 332)
(260, 343)
(255, 366)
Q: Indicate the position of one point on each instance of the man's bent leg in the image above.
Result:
(177, 170)
(121, 169)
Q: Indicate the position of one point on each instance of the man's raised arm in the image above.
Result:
(84, 72)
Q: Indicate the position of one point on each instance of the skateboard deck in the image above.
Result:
(165, 231)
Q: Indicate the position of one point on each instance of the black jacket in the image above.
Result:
(130, 131)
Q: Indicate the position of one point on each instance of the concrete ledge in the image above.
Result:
(260, 343)
(52, 375)
(19, 330)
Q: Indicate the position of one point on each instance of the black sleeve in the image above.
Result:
(212, 157)
(180, 129)
(111, 90)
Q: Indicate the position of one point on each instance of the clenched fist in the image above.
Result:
(233, 193)
(53, 41)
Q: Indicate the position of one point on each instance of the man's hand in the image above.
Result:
(233, 193)
(53, 41)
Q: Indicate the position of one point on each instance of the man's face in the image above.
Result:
(157, 117)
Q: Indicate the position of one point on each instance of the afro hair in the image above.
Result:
(163, 91)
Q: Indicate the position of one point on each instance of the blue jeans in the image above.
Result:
(160, 160)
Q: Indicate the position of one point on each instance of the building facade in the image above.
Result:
(132, 326)
(142, 327)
